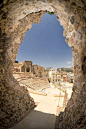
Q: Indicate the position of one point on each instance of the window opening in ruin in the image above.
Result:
(28, 70)
(44, 46)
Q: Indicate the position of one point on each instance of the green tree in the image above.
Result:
(16, 61)
(51, 13)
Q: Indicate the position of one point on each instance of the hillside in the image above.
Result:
(66, 69)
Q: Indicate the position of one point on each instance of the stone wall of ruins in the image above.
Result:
(16, 18)
(26, 68)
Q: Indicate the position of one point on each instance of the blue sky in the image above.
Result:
(45, 45)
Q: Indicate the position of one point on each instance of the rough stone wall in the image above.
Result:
(16, 18)
(15, 100)
(38, 71)
(27, 65)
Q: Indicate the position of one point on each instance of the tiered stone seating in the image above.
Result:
(35, 83)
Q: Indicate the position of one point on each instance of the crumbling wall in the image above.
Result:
(16, 18)
(15, 99)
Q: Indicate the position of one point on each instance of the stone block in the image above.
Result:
(72, 20)
(78, 35)
(76, 26)
(80, 3)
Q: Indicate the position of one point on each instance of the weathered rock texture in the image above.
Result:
(16, 17)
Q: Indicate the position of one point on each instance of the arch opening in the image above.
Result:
(44, 50)
(71, 15)
(28, 70)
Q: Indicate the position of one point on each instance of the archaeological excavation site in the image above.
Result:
(16, 18)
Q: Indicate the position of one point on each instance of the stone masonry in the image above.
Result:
(28, 68)
(16, 17)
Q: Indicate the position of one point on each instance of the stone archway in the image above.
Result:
(28, 70)
(16, 18)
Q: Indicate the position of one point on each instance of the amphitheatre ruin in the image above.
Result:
(16, 18)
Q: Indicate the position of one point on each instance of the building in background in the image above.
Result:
(28, 67)
(57, 75)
